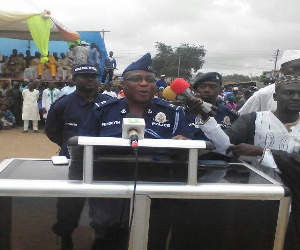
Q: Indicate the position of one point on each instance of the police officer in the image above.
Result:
(163, 121)
(65, 119)
(208, 87)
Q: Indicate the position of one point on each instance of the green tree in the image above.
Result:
(183, 59)
(236, 78)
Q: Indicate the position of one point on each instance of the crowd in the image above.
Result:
(55, 67)
(89, 107)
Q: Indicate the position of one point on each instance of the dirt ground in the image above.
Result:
(15, 144)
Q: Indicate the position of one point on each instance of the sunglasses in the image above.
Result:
(138, 78)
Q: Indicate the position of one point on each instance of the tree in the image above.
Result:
(180, 61)
(238, 78)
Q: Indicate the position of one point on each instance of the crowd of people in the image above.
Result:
(87, 106)
(56, 67)
(270, 136)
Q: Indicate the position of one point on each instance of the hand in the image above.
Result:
(245, 149)
(44, 111)
(179, 137)
(194, 106)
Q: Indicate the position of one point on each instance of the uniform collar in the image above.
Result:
(149, 111)
(82, 101)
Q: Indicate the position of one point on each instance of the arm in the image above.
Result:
(242, 130)
(55, 125)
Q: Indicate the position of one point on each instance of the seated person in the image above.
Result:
(7, 114)
(15, 65)
(64, 63)
(51, 64)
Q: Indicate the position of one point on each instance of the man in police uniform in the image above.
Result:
(65, 119)
(208, 87)
(163, 121)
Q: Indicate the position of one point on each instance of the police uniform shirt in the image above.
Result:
(163, 120)
(66, 117)
(224, 116)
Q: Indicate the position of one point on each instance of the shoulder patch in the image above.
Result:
(167, 104)
(106, 103)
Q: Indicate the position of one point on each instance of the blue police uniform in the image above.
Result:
(163, 120)
(66, 117)
(224, 116)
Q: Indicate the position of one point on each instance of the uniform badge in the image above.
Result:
(123, 111)
(160, 117)
(226, 120)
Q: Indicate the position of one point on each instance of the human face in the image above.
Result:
(288, 98)
(139, 86)
(86, 82)
(208, 91)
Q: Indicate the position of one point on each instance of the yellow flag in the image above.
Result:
(40, 31)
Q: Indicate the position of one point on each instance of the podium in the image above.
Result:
(35, 178)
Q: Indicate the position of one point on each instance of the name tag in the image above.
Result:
(105, 124)
(165, 125)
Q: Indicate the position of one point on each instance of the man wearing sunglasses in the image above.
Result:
(163, 121)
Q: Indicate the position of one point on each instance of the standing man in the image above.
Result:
(30, 108)
(163, 121)
(274, 138)
(81, 53)
(64, 63)
(207, 87)
(18, 99)
(65, 120)
(110, 65)
(262, 100)
(161, 82)
(50, 95)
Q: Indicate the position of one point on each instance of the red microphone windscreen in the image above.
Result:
(169, 94)
(179, 85)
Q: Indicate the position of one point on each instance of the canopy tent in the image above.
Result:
(34, 25)
(13, 24)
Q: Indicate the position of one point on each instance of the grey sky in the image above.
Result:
(239, 36)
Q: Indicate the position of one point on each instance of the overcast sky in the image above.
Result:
(239, 36)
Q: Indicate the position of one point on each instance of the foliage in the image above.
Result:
(239, 78)
(185, 58)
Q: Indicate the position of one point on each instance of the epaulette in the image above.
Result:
(234, 112)
(106, 103)
(167, 104)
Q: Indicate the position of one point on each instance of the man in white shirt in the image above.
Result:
(263, 100)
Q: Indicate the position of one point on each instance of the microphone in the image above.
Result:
(180, 90)
(133, 128)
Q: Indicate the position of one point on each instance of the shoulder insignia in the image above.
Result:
(167, 104)
(106, 102)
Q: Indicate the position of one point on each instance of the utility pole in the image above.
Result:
(178, 66)
(276, 58)
(103, 32)
(275, 61)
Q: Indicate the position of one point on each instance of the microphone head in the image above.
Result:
(179, 85)
(169, 94)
